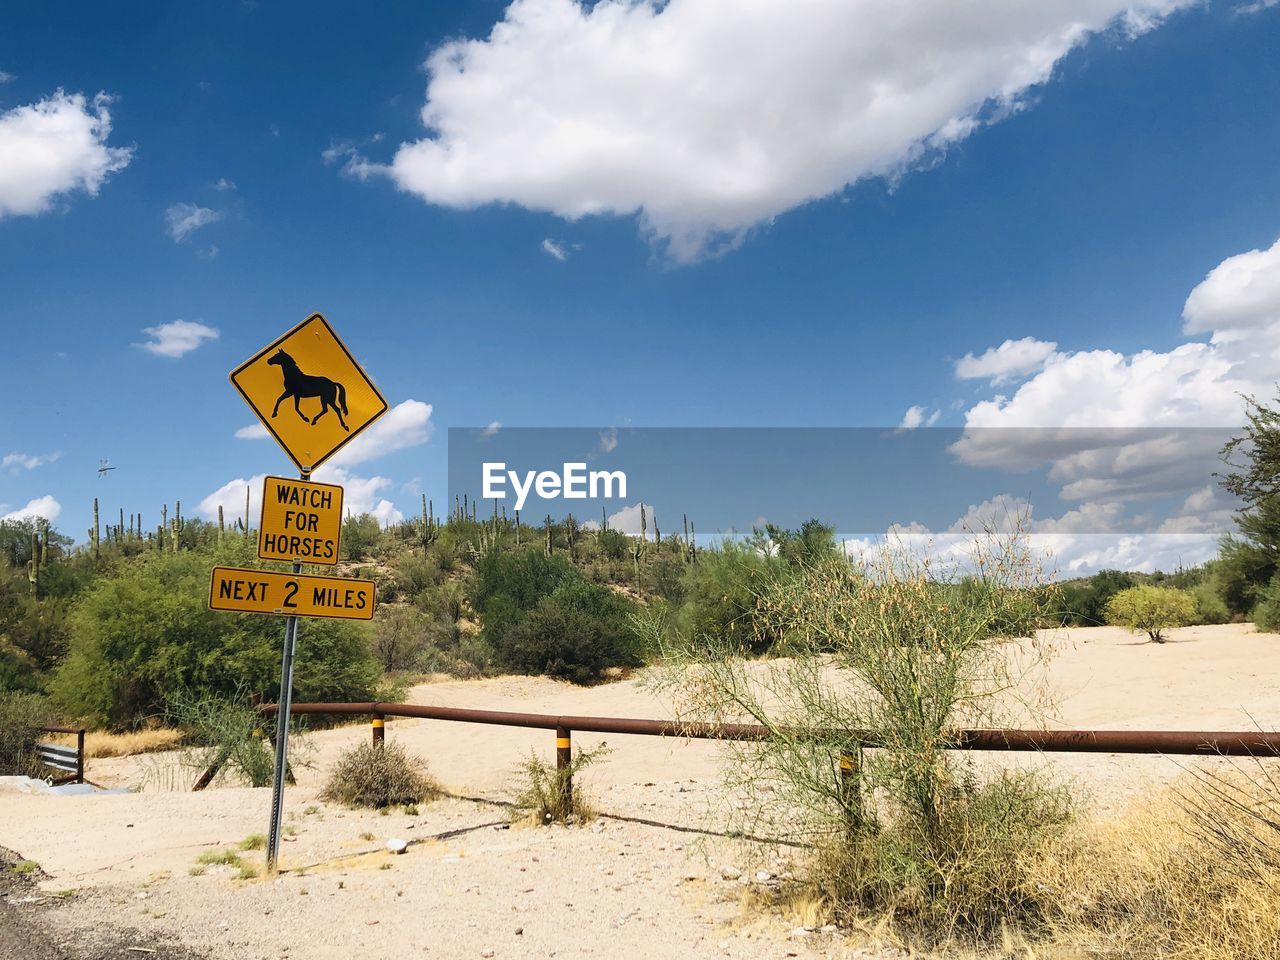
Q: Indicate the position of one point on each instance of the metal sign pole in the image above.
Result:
(284, 702)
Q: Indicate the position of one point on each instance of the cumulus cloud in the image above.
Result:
(184, 219)
(1012, 360)
(627, 520)
(254, 431)
(55, 147)
(26, 461)
(706, 118)
(407, 424)
(918, 417)
(492, 429)
(360, 495)
(176, 338)
(555, 249)
(45, 507)
(608, 440)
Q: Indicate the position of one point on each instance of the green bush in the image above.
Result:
(574, 634)
(720, 593)
(1210, 607)
(360, 536)
(146, 630)
(377, 776)
(1151, 610)
(1266, 613)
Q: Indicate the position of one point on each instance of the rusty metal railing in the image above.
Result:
(1166, 742)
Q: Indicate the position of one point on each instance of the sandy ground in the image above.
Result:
(651, 878)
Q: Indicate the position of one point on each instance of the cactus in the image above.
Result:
(548, 547)
(221, 525)
(637, 551)
(571, 535)
(517, 528)
(604, 518)
(94, 532)
(644, 526)
(657, 534)
(33, 565)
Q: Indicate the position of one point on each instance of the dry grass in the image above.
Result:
(99, 744)
(1192, 874)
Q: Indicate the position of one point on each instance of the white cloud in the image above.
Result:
(26, 461)
(184, 219)
(918, 417)
(492, 429)
(254, 431)
(627, 520)
(359, 495)
(177, 337)
(45, 507)
(556, 249)
(5, 77)
(608, 440)
(407, 424)
(708, 117)
(55, 147)
(224, 185)
(1012, 360)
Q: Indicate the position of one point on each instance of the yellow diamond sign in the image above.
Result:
(309, 392)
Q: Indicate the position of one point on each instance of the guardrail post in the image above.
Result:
(851, 788)
(379, 729)
(564, 767)
(79, 756)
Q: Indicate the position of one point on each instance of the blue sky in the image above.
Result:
(721, 233)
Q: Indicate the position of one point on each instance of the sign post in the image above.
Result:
(301, 521)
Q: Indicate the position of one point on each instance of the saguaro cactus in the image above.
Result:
(96, 529)
(33, 565)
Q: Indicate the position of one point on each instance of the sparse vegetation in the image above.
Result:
(21, 717)
(542, 797)
(379, 776)
(908, 833)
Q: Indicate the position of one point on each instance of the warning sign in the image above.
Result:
(309, 392)
(237, 590)
(301, 521)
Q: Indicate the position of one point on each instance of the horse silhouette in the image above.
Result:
(300, 385)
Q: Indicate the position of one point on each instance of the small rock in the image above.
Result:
(830, 928)
(141, 895)
(519, 931)
(486, 953)
(396, 845)
(730, 873)
(799, 933)
(764, 876)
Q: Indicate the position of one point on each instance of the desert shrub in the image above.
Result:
(613, 544)
(892, 647)
(1083, 603)
(720, 593)
(1266, 612)
(21, 717)
(542, 797)
(226, 731)
(574, 633)
(541, 616)
(399, 637)
(360, 536)
(146, 630)
(1151, 610)
(968, 881)
(1209, 606)
(377, 776)
(1240, 574)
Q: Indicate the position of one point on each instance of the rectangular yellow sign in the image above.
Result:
(236, 590)
(301, 521)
